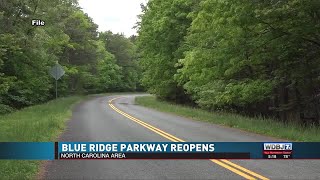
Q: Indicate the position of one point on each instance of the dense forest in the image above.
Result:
(258, 57)
(251, 57)
(94, 62)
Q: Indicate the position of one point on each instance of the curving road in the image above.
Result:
(112, 119)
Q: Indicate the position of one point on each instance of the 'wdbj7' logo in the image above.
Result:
(277, 146)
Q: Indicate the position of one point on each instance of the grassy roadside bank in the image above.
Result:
(40, 123)
(267, 127)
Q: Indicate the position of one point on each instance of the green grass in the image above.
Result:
(41, 123)
(269, 127)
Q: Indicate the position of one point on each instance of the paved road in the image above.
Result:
(96, 120)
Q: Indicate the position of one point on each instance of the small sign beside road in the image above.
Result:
(57, 72)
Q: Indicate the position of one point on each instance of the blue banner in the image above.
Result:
(161, 150)
(27, 151)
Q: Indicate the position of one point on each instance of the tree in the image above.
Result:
(125, 53)
(255, 57)
(161, 35)
(69, 37)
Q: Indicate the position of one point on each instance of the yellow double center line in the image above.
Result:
(224, 163)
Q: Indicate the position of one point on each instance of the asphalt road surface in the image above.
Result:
(106, 119)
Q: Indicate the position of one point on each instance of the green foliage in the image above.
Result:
(161, 34)
(69, 37)
(258, 57)
(126, 56)
(109, 73)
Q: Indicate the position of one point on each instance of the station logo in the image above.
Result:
(277, 147)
